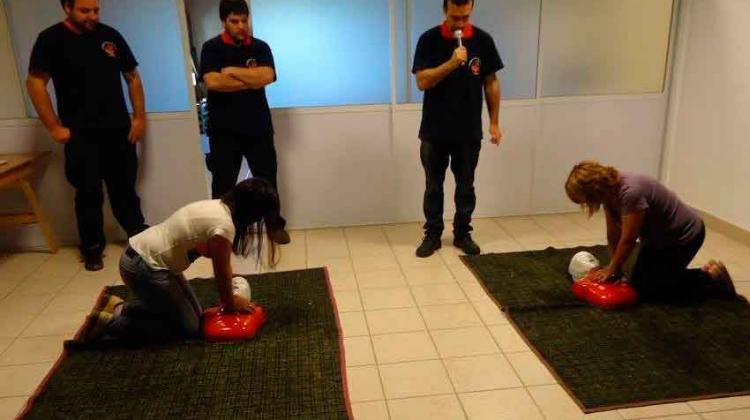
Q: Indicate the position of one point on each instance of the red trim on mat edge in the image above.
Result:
(56, 366)
(342, 352)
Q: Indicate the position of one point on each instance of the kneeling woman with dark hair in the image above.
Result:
(671, 234)
(153, 264)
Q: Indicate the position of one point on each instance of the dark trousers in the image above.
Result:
(106, 156)
(225, 161)
(661, 274)
(463, 158)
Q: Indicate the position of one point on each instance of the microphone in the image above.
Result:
(459, 34)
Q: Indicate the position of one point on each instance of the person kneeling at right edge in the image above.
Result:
(671, 234)
(152, 266)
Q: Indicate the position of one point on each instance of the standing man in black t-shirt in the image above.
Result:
(454, 64)
(86, 60)
(236, 68)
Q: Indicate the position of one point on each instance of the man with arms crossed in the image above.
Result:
(236, 67)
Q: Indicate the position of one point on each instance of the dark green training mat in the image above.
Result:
(648, 354)
(291, 370)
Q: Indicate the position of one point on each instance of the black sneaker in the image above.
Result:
(93, 262)
(429, 245)
(467, 245)
(281, 237)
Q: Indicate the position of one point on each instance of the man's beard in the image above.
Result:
(85, 26)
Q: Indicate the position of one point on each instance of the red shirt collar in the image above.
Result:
(227, 39)
(68, 24)
(448, 34)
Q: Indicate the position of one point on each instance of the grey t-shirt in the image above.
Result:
(668, 220)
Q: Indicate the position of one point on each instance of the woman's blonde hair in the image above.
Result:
(590, 183)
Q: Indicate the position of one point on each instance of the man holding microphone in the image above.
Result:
(455, 64)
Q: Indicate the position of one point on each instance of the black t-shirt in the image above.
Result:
(244, 112)
(452, 109)
(86, 70)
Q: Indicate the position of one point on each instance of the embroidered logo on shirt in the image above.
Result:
(110, 49)
(476, 66)
(251, 62)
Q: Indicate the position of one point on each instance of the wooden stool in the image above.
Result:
(16, 173)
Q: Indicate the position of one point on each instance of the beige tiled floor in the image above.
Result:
(422, 339)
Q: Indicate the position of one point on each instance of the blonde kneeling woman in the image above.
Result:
(671, 233)
(152, 265)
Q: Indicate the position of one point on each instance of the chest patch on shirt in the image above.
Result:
(110, 49)
(476, 66)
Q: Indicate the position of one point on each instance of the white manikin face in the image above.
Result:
(581, 264)
(241, 287)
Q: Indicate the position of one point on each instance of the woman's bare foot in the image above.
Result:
(718, 271)
(98, 323)
(107, 303)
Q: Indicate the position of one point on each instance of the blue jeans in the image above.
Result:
(166, 306)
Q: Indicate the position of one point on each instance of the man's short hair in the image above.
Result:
(227, 7)
(457, 3)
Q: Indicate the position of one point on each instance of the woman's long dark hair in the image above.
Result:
(254, 205)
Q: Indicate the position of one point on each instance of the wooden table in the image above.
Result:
(17, 173)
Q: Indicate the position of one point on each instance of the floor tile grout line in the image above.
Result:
(367, 324)
(14, 396)
(28, 364)
(502, 351)
(438, 357)
(432, 337)
(444, 394)
(514, 235)
(402, 265)
(518, 375)
(38, 362)
(654, 417)
(38, 314)
(556, 234)
(507, 232)
(716, 411)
